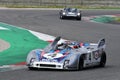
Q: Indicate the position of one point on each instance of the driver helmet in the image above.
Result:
(61, 46)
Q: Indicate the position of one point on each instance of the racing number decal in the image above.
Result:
(96, 55)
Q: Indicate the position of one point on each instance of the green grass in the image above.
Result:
(117, 19)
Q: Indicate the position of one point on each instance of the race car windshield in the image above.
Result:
(61, 46)
(64, 46)
(52, 45)
(72, 10)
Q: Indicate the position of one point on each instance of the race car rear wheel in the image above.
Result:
(81, 63)
(103, 60)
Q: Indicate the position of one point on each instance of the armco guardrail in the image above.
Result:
(112, 3)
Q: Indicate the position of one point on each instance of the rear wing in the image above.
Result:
(101, 43)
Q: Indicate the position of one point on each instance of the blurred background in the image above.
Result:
(61, 3)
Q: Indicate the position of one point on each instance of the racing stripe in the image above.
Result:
(42, 54)
(66, 54)
(38, 55)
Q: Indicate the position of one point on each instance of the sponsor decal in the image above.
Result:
(53, 55)
(49, 60)
(96, 55)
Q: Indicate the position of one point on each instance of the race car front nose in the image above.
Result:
(48, 65)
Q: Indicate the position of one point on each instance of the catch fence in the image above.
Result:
(62, 3)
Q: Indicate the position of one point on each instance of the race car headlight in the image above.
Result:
(66, 63)
(32, 60)
(78, 14)
(64, 13)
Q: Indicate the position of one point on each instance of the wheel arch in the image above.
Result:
(31, 54)
(80, 57)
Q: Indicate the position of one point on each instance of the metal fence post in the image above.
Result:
(81, 2)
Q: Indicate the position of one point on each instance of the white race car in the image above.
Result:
(68, 55)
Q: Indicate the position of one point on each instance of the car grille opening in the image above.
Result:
(47, 65)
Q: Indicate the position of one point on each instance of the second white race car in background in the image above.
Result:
(70, 13)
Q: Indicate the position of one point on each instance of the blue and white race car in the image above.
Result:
(68, 55)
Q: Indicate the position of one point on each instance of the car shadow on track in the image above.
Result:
(85, 69)
(70, 19)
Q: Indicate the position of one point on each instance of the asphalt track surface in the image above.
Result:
(47, 21)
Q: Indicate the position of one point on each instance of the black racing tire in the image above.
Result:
(103, 60)
(61, 17)
(79, 18)
(81, 63)
(30, 68)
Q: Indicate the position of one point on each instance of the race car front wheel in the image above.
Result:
(103, 60)
(79, 18)
(31, 68)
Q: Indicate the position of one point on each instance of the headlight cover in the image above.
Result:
(32, 60)
(78, 14)
(63, 13)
